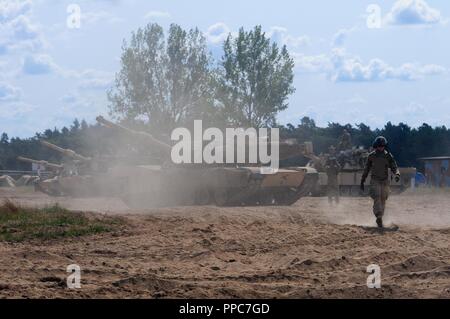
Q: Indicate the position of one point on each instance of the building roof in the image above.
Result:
(438, 158)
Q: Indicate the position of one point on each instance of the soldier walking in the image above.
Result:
(332, 169)
(378, 163)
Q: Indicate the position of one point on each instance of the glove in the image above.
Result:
(362, 186)
(397, 178)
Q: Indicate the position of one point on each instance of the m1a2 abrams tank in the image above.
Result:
(77, 176)
(51, 168)
(169, 184)
(352, 162)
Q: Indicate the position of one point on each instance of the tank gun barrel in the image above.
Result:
(288, 149)
(44, 163)
(141, 136)
(308, 152)
(67, 152)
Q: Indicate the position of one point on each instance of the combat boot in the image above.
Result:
(380, 222)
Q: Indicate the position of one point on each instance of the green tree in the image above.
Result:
(256, 79)
(75, 126)
(164, 82)
(4, 139)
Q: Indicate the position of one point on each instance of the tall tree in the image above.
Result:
(164, 82)
(4, 138)
(256, 79)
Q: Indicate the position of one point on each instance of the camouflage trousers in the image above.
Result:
(379, 191)
(333, 191)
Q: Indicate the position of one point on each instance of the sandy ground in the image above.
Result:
(308, 250)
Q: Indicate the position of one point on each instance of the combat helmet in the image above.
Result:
(380, 141)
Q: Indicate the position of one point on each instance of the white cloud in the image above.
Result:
(351, 69)
(342, 67)
(99, 16)
(282, 36)
(312, 63)
(96, 84)
(340, 37)
(38, 64)
(88, 79)
(75, 101)
(9, 92)
(15, 109)
(16, 30)
(433, 69)
(157, 15)
(217, 33)
(338, 66)
(413, 12)
(95, 80)
(9, 10)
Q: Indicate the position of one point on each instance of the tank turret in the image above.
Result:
(141, 137)
(66, 152)
(48, 165)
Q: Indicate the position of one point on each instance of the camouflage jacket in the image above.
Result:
(332, 166)
(378, 164)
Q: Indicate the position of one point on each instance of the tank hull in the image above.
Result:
(154, 186)
(349, 182)
(147, 186)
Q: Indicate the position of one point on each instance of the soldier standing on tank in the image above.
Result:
(332, 169)
(345, 142)
(378, 164)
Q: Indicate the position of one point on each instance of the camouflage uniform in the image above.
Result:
(345, 142)
(378, 164)
(332, 169)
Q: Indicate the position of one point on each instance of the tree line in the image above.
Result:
(168, 80)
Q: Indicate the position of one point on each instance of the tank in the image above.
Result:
(169, 184)
(352, 162)
(50, 166)
(67, 152)
(38, 181)
(77, 176)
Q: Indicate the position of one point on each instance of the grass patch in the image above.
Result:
(22, 223)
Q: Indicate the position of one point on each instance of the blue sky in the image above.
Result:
(347, 70)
